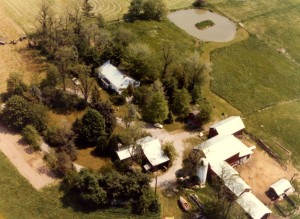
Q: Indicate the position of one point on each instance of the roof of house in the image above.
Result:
(229, 126)
(281, 186)
(222, 147)
(152, 150)
(114, 76)
(125, 153)
(230, 176)
(253, 206)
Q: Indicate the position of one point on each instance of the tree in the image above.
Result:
(181, 102)
(157, 109)
(146, 203)
(31, 137)
(130, 115)
(18, 113)
(135, 10)
(154, 9)
(52, 77)
(204, 114)
(65, 57)
(86, 8)
(15, 85)
(170, 151)
(95, 96)
(106, 110)
(64, 163)
(91, 129)
(86, 82)
(168, 54)
(100, 21)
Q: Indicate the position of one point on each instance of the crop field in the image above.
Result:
(25, 13)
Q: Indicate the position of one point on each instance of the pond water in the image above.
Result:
(224, 30)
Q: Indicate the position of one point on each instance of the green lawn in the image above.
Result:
(20, 200)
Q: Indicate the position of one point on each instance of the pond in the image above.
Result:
(223, 29)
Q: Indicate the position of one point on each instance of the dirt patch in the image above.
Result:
(30, 164)
(261, 171)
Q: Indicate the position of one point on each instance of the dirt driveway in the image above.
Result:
(29, 164)
(178, 138)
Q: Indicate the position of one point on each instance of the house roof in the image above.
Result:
(125, 153)
(229, 126)
(152, 150)
(253, 206)
(281, 186)
(114, 76)
(230, 176)
(222, 147)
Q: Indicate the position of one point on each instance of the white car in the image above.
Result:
(76, 81)
(158, 125)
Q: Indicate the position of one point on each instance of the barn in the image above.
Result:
(231, 126)
(111, 78)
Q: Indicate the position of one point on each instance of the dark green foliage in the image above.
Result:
(204, 24)
(100, 21)
(118, 100)
(31, 137)
(86, 8)
(170, 87)
(170, 151)
(147, 10)
(52, 77)
(15, 85)
(204, 114)
(146, 203)
(63, 163)
(106, 110)
(91, 129)
(157, 108)
(181, 102)
(18, 113)
(58, 137)
(199, 3)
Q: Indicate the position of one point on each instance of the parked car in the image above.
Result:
(158, 125)
(76, 81)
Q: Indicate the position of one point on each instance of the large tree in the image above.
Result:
(18, 113)
(181, 102)
(157, 108)
(87, 8)
(91, 129)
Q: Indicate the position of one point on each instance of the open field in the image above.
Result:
(25, 13)
(251, 76)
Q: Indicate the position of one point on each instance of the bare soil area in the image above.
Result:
(261, 171)
(30, 164)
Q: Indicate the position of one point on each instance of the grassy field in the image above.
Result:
(251, 75)
(20, 200)
(25, 13)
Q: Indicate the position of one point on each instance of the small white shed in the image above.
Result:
(282, 186)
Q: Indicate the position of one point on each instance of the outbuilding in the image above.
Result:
(231, 126)
(112, 78)
(282, 186)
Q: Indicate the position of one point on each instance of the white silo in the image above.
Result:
(202, 171)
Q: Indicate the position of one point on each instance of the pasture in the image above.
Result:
(251, 75)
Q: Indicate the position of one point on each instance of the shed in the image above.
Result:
(125, 153)
(253, 206)
(231, 126)
(153, 152)
(112, 78)
(281, 186)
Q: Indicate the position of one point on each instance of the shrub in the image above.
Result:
(118, 100)
(204, 24)
(31, 137)
(170, 151)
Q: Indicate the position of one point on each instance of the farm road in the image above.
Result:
(178, 138)
(29, 164)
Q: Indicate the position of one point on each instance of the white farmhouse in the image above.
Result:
(112, 78)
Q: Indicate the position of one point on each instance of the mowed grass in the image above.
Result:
(251, 76)
(86, 158)
(20, 200)
(279, 124)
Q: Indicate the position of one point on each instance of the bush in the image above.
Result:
(31, 137)
(58, 137)
(118, 100)
(170, 151)
(204, 24)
